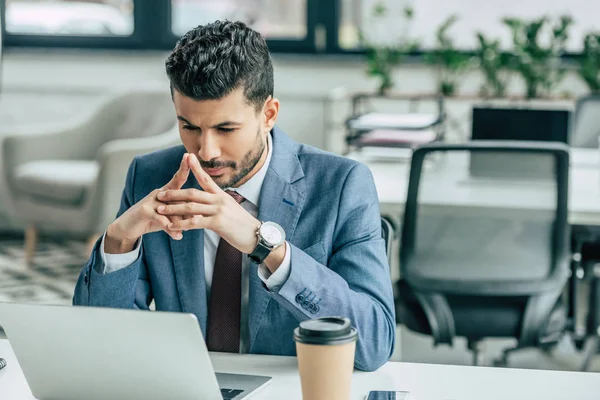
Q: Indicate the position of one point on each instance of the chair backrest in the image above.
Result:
(140, 113)
(387, 232)
(485, 234)
(585, 128)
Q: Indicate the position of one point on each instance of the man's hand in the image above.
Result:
(209, 209)
(142, 217)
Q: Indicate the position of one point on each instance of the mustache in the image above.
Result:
(217, 164)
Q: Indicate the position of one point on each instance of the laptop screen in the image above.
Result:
(517, 124)
(520, 124)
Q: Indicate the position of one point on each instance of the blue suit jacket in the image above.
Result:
(329, 209)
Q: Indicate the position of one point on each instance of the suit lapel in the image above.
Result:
(188, 261)
(280, 201)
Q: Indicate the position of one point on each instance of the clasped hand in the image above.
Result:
(174, 210)
(211, 208)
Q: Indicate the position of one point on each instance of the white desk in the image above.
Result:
(425, 381)
(454, 190)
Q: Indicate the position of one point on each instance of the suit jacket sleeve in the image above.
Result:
(356, 282)
(128, 287)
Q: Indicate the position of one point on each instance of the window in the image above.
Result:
(358, 18)
(70, 18)
(273, 18)
(474, 16)
(288, 25)
(295, 26)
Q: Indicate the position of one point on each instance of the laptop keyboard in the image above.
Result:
(230, 394)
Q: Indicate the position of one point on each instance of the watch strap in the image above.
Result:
(261, 251)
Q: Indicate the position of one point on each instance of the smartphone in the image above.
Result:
(385, 395)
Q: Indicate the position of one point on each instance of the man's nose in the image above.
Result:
(209, 148)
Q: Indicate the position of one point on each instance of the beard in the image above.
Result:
(249, 161)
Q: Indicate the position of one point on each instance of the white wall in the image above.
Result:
(52, 85)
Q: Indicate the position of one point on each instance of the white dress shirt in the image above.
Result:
(251, 192)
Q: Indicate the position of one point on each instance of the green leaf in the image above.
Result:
(380, 9)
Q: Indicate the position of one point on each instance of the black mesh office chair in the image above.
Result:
(484, 243)
(585, 132)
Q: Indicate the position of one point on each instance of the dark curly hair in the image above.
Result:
(212, 60)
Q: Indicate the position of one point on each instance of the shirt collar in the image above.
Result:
(251, 188)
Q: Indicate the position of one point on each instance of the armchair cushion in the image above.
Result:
(57, 181)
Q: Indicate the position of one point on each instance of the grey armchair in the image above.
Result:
(70, 179)
(494, 261)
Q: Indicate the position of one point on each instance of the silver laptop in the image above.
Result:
(99, 353)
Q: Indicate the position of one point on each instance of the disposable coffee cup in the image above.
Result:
(325, 349)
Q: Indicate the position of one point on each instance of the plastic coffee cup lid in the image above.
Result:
(326, 331)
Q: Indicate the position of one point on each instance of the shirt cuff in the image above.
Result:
(274, 281)
(115, 262)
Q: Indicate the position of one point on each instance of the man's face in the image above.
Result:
(228, 135)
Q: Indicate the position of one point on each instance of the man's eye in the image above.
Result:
(226, 130)
(189, 128)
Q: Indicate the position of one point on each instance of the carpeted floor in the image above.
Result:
(51, 276)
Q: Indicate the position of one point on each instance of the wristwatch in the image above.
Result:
(270, 236)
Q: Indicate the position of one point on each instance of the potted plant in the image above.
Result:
(382, 54)
(539, 65)
(589, 67)
(493, 64)
(449, 62)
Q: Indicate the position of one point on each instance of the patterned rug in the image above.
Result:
(49, 279)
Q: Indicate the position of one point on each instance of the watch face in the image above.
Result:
(271, 233)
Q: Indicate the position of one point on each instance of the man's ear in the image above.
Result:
(271, 110)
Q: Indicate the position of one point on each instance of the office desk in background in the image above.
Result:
(424, 381)
(456, 190)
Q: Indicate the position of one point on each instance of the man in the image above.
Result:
(247, 229)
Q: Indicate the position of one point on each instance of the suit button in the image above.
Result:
(308, 305)
(300, 296)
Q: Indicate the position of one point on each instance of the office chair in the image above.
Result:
(485, 257)
(585, 132)
(585, 125)
(592, 340)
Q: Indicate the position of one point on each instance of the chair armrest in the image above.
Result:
(114, 158)
(77, 139)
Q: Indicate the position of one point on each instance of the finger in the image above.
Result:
(186, 196)
(195, 222)
(173, 218)
(164, 223)
(181, 175)
(205, 181)
(188, 209)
